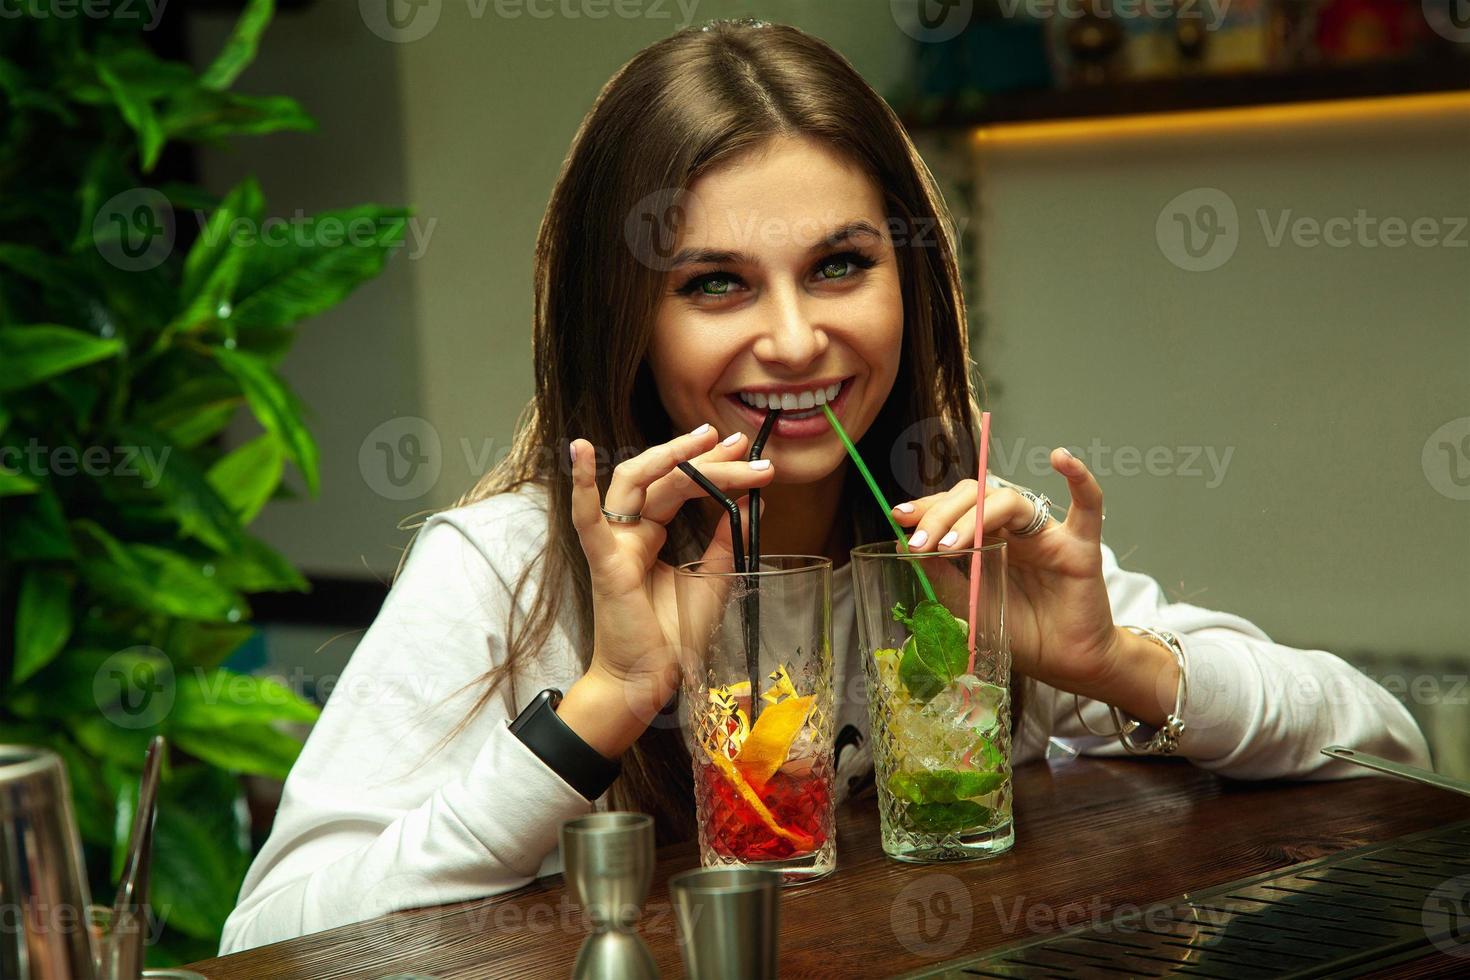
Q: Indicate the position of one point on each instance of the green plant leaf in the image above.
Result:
(204, 116)
(154, 578)
(259, 750)
(275, 407)
(14, 485)
(194, 410)
(134, 101)
(223, 699)
(42, 619)
(213, 267)
(239, 49)
(256, 567)
(124, 747)
(248, 475)
(200, 511)
(198, 864)
(318, 264)
(32, 354)
(205, 645)
(34, 529)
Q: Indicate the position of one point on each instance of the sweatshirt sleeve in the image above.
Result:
(372, 819)
(1255, 709)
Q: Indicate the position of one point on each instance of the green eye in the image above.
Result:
(835, 269)
(715, 287)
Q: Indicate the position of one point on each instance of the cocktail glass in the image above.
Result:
(940, 717)
(760, 728)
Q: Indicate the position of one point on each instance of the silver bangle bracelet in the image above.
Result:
(1166, 739)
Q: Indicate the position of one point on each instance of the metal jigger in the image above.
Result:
(608, 861)
(728, 919)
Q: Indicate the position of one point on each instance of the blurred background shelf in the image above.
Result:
(1202, 92)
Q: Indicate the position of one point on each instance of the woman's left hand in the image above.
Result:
(1057, 610)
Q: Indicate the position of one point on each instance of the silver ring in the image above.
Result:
(621, 518)
(1043, 513)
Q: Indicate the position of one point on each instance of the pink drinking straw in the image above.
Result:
(979, 532)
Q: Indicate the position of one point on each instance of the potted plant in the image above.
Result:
(125, 350)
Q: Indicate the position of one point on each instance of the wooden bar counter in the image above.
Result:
(1094, 838)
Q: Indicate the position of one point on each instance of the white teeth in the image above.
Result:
(792, 402)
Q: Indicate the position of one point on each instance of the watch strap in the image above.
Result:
(551, 740)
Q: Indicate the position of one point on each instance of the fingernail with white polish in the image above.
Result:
(919, 539)
(731, 439)
(701, 430)
(572, 447)
(760, 464)
(906, 508)
(949, 539)
(1067, 451)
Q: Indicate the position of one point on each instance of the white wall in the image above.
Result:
(1323, 370)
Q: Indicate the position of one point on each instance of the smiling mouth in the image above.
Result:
(793, 405)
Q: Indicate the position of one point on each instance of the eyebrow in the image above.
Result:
(716, 256)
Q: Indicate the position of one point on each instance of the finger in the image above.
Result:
(942, 514)
(627, 491)
(911, 512)
(1007, 510)
(597, 539)
(1085, 515)
(734, 478)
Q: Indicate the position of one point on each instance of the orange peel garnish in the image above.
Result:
(764, 749)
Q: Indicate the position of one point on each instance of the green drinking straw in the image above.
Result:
(903, 542)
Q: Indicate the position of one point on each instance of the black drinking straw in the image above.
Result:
(753, 557)
(737, 546)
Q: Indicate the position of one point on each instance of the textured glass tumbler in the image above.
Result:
(760, 726)
(940, 719)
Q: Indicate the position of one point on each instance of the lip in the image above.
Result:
(786, 428)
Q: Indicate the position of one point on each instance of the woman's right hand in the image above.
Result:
(635, 669)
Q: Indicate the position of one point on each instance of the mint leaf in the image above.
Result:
(943, 786)
(936, 653)
(947, 818)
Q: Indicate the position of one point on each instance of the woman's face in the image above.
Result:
(784, 285)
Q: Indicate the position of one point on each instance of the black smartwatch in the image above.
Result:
(585, 769)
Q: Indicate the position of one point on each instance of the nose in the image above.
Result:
(792, 337)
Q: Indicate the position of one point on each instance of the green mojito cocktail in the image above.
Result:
(939, 704)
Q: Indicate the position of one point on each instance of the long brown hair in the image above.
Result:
(678, 108)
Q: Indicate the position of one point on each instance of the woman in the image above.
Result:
(740, 215)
